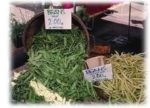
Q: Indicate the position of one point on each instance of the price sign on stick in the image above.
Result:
(103, 72)
(57, 18)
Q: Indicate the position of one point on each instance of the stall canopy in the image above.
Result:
(137, 12)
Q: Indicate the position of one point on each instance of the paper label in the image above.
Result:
(103, 72)
(57, 18)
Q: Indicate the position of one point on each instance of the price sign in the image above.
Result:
(98, 73)
(57, 18)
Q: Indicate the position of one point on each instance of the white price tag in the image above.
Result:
(57, 18)
(103, 72)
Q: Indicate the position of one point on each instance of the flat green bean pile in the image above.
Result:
(56, 59)
(127, 85)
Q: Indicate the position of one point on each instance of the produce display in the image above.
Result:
(98, 61)
(56, 61)
(54, 73)
(127, 85)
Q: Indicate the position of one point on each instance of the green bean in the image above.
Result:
(57, 60)
(128, 80)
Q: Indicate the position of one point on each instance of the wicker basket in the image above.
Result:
(37, 22)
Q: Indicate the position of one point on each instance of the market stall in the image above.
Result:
(71, 54)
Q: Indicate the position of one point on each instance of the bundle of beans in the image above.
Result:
(127, 85)
(56, 60)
